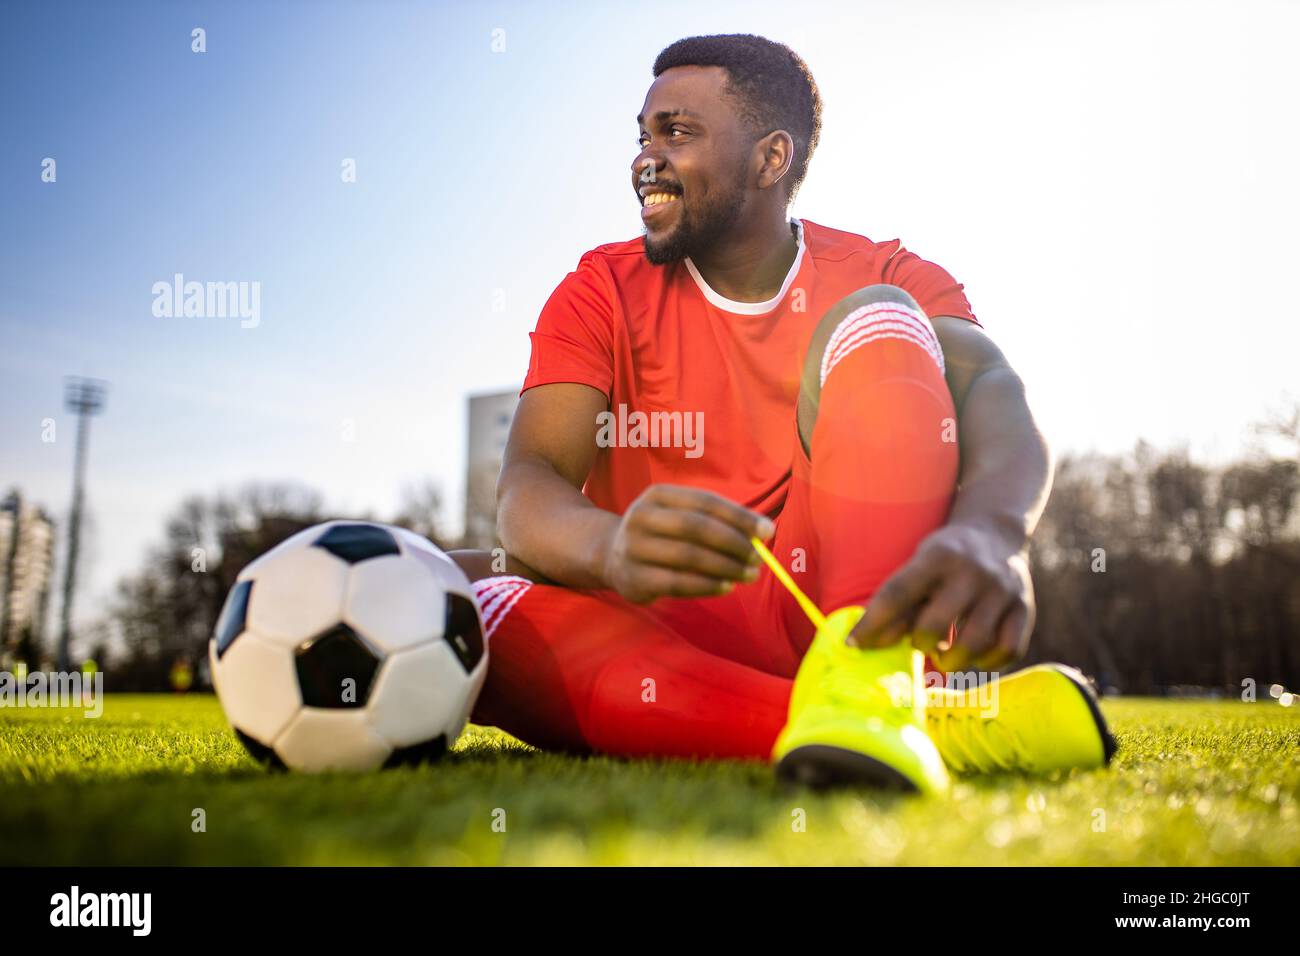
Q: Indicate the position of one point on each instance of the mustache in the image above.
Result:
(673, 188)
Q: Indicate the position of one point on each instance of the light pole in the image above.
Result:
(85, 396)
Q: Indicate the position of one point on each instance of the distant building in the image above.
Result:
(26, 566)
(490, 416)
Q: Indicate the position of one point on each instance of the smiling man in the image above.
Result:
(837, 378)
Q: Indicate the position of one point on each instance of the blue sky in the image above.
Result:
(1113, 183)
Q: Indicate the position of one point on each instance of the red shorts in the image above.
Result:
(759, 625)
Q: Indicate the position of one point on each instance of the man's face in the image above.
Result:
(693, 148)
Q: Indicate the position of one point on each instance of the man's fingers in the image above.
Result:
(977, 636)
(1014, 628)
(694, 499)
(900, 593)
(953, 599)
(679, 555)
(1013, 637)
(927, 642)
(888, 636)
(650, 581)
(695, 527)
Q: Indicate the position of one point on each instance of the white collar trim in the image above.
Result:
(752, 308)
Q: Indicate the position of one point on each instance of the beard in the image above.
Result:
(700, 226)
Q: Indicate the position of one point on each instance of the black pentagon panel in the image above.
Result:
(462, 631)
(260, 752)
(357, 542)
(417, 754)
(336, 669)
(233, 615)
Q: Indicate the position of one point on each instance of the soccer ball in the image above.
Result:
(349, 646)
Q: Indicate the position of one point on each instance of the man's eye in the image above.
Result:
(644, 138)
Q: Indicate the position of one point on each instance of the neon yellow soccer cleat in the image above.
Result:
(857, 717)
(1035, 721)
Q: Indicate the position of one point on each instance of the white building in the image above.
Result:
(26, 566)
(490, 416)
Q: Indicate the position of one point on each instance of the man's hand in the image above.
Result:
(977, 577)
(682, 542)
(973, 570)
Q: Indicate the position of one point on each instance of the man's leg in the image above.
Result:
(874, 473)
(877, 467)
(586, 671)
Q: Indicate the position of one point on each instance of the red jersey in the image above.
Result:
(703, 390)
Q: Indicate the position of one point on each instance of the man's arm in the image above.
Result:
(1006, 470)
(675, 541)
(974, 568)
(547, 458)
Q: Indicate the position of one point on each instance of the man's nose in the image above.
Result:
(646, 166)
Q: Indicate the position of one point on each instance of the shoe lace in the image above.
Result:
(853, 685)
(971, 742)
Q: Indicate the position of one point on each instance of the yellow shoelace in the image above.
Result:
(846, 683)
(975, 743)
(809, 608)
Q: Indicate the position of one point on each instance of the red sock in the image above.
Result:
(585, 671)
(884, 451)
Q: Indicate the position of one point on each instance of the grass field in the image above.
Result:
(1195, 782)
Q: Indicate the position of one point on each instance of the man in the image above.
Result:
(733, 374)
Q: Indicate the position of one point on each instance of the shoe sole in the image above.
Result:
(1109, 745)
(822, 768)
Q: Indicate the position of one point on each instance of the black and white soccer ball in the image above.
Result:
(349, 646)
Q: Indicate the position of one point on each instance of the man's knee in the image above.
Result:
(874, 311)
(869, 295)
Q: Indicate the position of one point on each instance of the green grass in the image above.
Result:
(1195, 782)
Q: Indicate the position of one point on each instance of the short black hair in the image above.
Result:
(771, 83)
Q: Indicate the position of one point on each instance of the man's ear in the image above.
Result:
(775, 154)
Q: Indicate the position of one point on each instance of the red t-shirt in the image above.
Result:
(657, 341)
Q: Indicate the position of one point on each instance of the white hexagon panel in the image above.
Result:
(297, 594)
(395, 601)
(318, 740)
(418, 695)
(258, 686)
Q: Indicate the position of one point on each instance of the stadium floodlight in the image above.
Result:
(85, 396)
